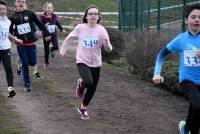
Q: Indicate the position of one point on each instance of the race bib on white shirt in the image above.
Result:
(190, 58)
(51, 28)
(4, 33)
(24, 28)
(90, 41)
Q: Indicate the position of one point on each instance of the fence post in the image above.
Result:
(136, 14)
(122, 16)
(183, 23)
(142, 14)
(149, 15)
(158, 15)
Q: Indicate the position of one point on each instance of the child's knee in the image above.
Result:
(88, 84)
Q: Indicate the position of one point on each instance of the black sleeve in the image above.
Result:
(40, 25)
(42, 20)
(58, 24)
(11, 30)
(164, 52)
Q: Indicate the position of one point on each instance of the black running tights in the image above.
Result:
(192, 92)
(5, 57)
(90, 76)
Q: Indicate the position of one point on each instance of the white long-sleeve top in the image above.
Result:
(4, 33)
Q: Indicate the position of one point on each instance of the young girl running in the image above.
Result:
(91, 37)
(50, 20)
(188, 46)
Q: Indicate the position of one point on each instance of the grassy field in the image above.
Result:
(72, 5)
(75, 6)
(80, 5)
(168, 15)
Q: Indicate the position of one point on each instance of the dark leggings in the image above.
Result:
(5, 57)
(90, 76)
(47, 50)
(192, 92)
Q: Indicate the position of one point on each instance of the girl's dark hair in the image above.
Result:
(2, 2)
(190, 8)
(86, 12)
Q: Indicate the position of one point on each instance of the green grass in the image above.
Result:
(75, 6)
(72, 5)
(169, 15)
(120, 65)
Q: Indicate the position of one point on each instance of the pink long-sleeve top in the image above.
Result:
(90, 41)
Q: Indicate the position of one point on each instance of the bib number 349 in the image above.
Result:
(90, 42)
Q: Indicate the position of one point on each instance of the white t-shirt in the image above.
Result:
(4, 33)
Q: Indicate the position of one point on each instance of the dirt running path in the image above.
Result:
(121, 105)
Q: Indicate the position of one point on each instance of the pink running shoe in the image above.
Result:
(79, 89)
(83, 113)
(46, 66)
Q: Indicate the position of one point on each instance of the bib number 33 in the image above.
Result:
(191, 59)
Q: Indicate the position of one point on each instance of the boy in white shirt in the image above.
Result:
(5, 45)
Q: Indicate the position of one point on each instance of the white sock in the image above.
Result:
(35, 69)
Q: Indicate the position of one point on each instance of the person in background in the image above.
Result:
(50, 20)
(36, 74)
(23, 23)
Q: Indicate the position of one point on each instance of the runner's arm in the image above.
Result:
(157, 79)
(40, 25)
(71, 36)
(15, 38)
(11, 30)
(159, 61)
(59, 26)
(65, 43)
(105, 40)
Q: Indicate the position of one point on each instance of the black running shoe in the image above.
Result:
(27, 89)
(52, 52)
(37, 76)
(11, 92)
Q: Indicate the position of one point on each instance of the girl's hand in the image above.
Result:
(48, 38)
(158, 79)
(64, 31)
(105, 42)
(38, 33)
(46, 25)
(18, 40)
(103, 39)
